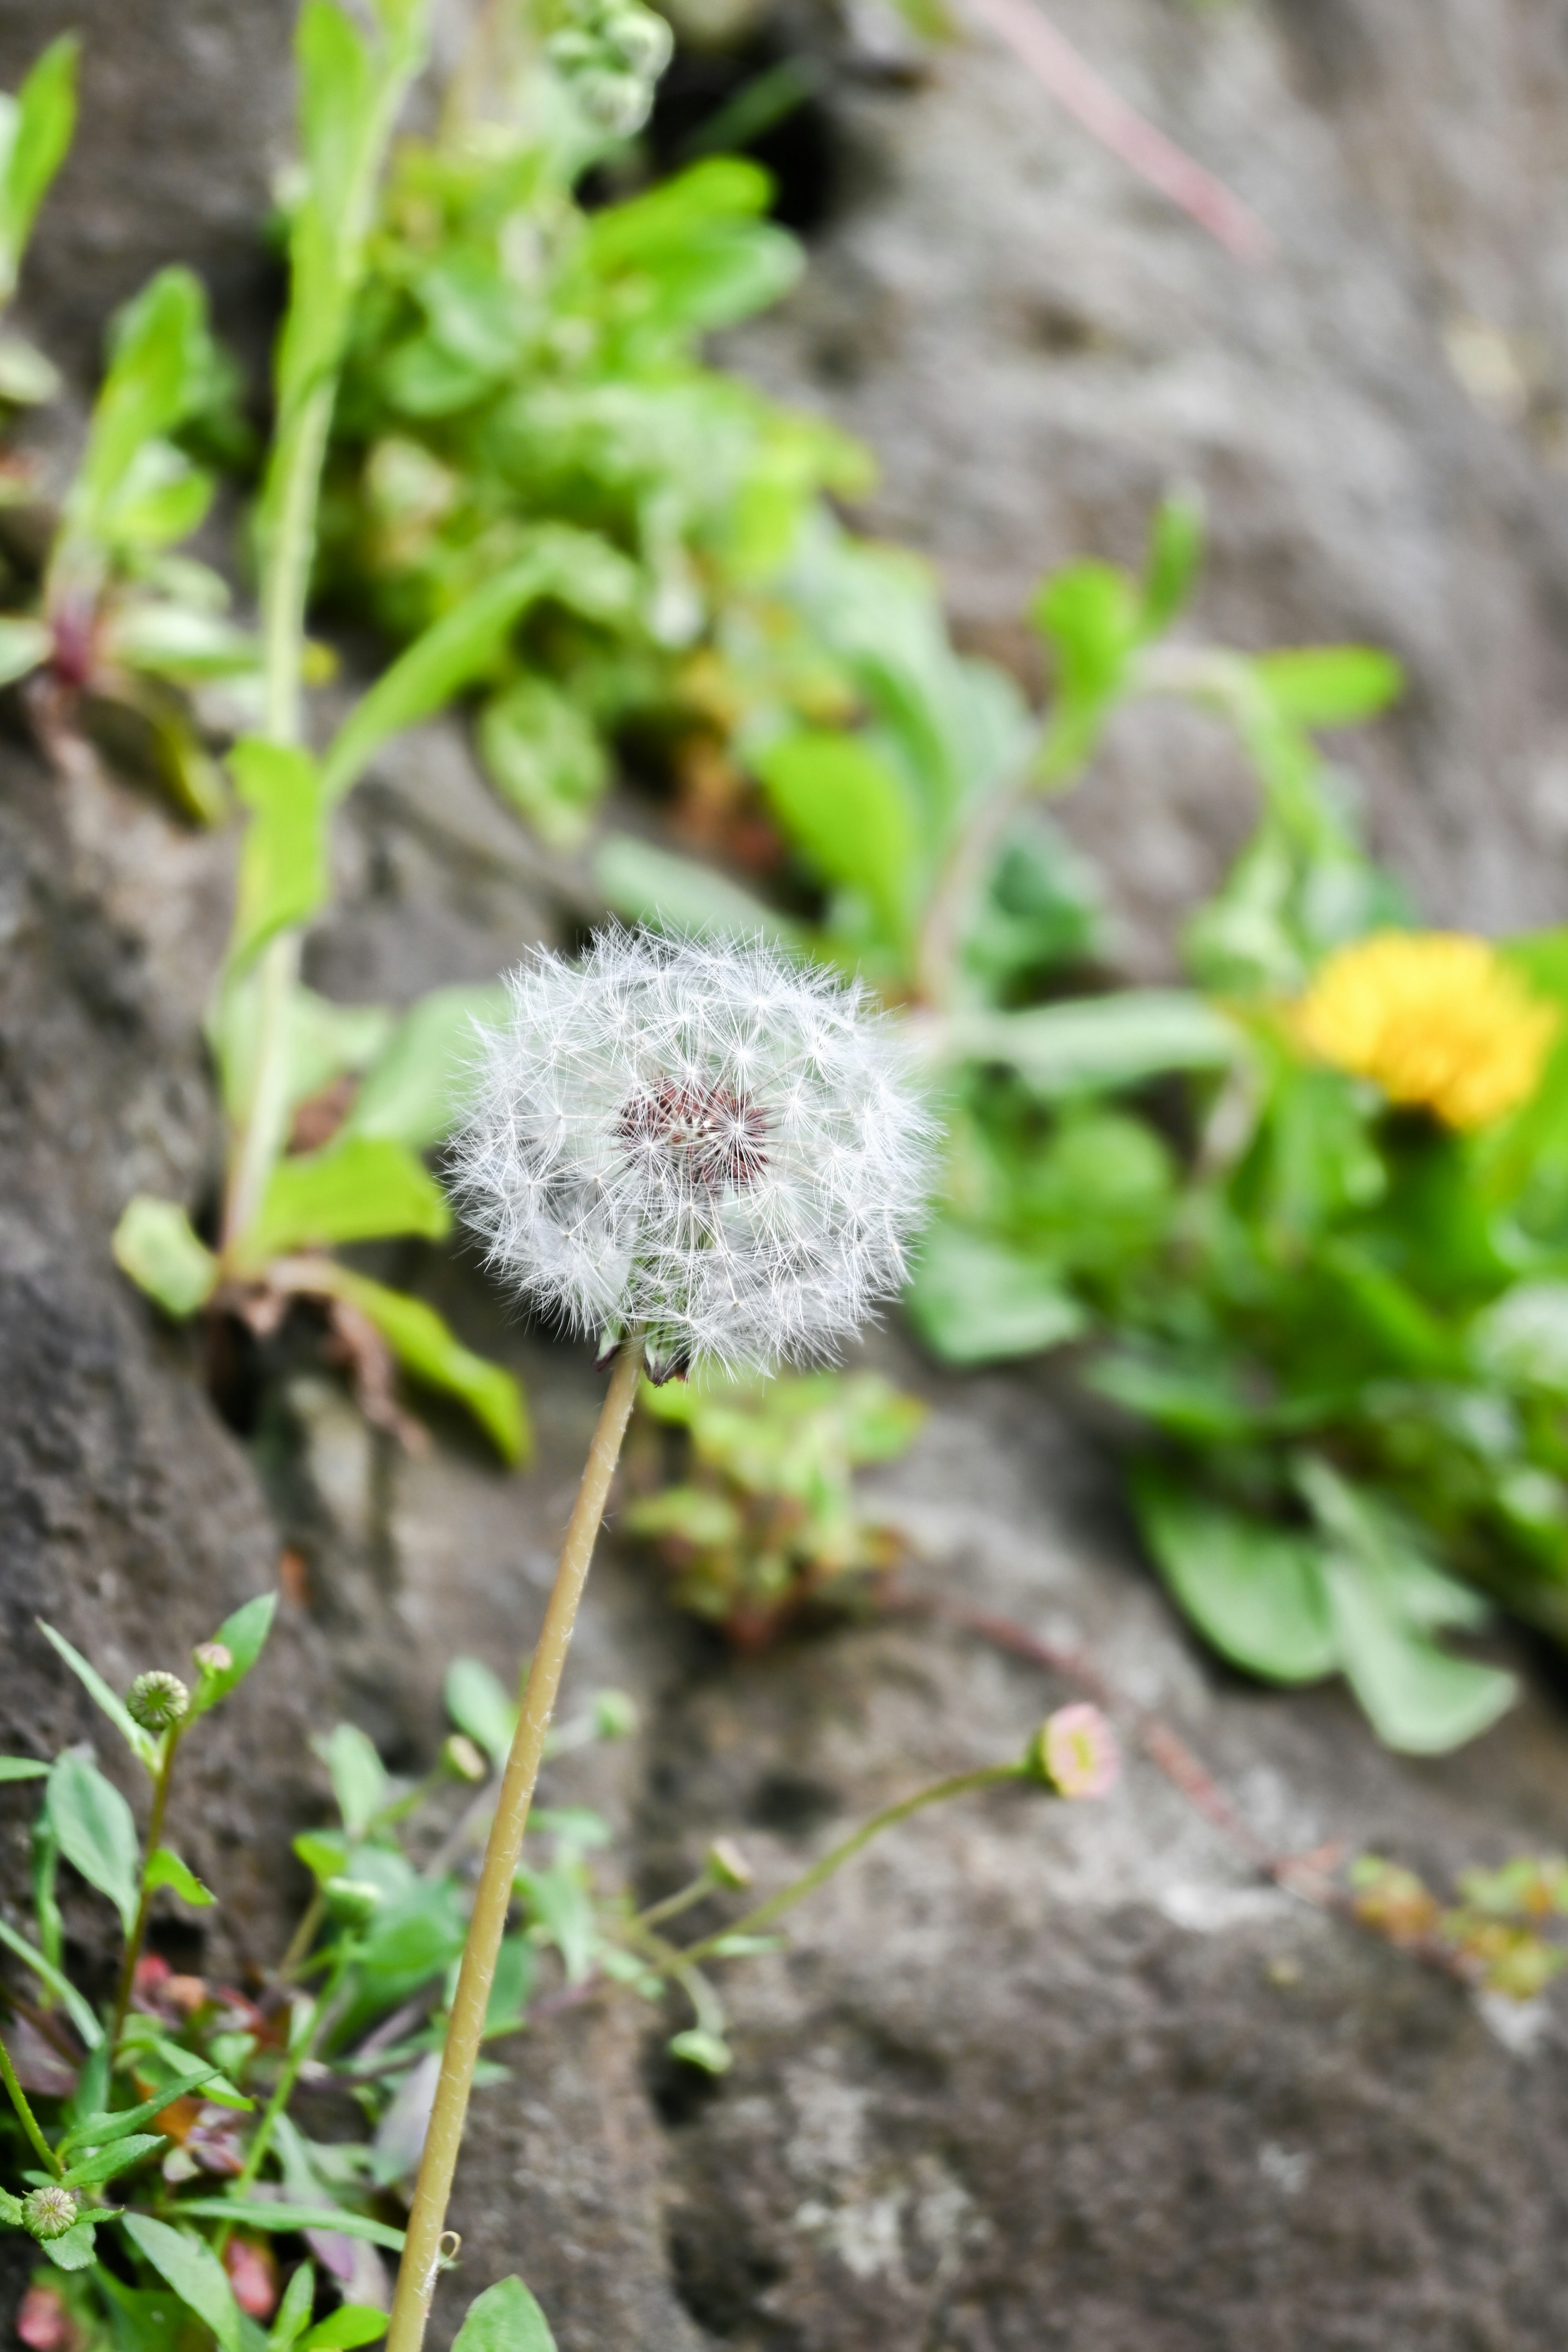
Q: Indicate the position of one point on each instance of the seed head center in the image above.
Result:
(711, 1133)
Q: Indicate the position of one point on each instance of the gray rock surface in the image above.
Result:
(1035, 346)
(1031, 2074)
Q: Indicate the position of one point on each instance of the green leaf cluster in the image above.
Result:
(766, 1520)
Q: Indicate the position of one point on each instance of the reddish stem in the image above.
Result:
(1073, 82)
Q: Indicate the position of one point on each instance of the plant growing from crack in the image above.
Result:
(329, 1108)
(693, 1153)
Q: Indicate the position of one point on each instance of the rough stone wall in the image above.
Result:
(1035, 346)
(1030, 2076)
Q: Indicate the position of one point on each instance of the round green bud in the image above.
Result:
(618, 103)
(157, 1701)
(727, 1866)
(213, 1657)
(614, 1714)
(573, 52)
(48, 2213)
(462, 1759)
(642, 41)
(353, 1902)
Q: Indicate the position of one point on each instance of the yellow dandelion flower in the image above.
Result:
(1437, 1018)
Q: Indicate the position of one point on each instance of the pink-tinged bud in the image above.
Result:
(44, 2324)
(1075, 1752)
(252, 2270)
(213, 1657)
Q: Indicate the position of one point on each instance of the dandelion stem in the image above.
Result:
(28, 2119)
(961, 1784)
(137, 1936)
(426, 2223)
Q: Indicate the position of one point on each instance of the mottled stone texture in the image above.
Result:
(1030, 2076)
(1035, 346)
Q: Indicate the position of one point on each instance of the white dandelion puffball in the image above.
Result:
(703, 1139)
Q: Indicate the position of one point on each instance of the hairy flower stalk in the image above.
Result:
(691, 1153)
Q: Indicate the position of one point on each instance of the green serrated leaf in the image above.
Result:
(325, 1852)
(165, 1869)
(156, 1245)
(95, 1830)
(36, 130)
(709, 2050)
(1258, 1592)
(415, 1092)
(1175, 551)
(283, 863)
(65, 1992)
(78, 2249)
(428, 1348)
(193, 2272)
(505, 2318)
(26, 377)
(23, 643)
(1330, 686)
(251, 2213)
(351, 2324)
(360, 1188)
(975, 1300)
(546, 758)
(98, 2130)
(1098, 1043)
(358, 1775)
(480, 1706)
(156, 361)
(1420, 1699)
(850, 813)
(293, 2313)
(466, 643)
(106, 2161)
(650, 886)
(142, 1744)
(244, 1636)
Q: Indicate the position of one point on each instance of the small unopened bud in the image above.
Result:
(614, 1714)
(157, 1701)
(48, 2213)
(1075, 1752)
(462, 1759)
(213, 1657)
(727, 1866)
(353, 1902)
(641, 40)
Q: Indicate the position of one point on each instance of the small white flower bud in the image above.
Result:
(213, 1657)
(157, 1701)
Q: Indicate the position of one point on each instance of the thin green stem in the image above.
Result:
(421, 2262)
(290, 505)
(304, 1936)
(301, 2047)
(29, 2120)
(963, 1784)
(137, 1936)
(674, 1905)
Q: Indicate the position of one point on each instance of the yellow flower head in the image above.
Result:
(1438, 1019)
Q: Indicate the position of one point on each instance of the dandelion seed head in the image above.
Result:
(704, 1139)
